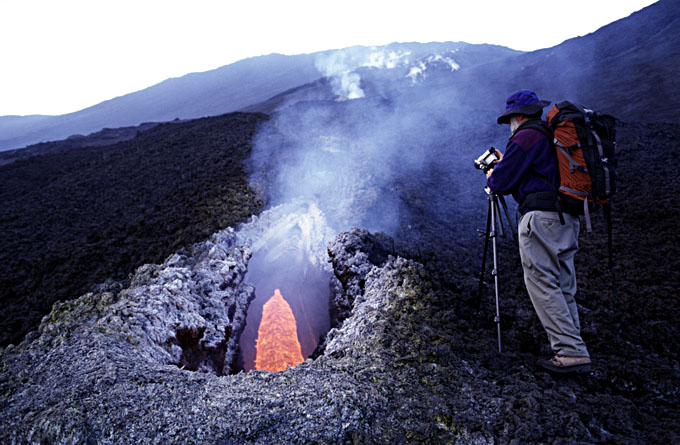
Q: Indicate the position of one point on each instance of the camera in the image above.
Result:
(487, 160)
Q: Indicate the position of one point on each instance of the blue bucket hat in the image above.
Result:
(522, 102)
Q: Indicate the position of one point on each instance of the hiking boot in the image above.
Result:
(562, 364)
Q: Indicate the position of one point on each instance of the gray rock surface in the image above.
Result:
(411, 362)
(114, 366)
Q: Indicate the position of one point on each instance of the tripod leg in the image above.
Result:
(486, 249)
(497, 214)
(507, 215)
(495, 273)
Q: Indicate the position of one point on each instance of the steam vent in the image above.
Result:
(277, 342)
(288, 254)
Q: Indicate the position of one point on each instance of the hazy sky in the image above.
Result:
(60, 56)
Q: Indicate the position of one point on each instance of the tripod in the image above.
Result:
(493, 217)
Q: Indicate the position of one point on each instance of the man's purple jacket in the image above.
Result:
(528, 155)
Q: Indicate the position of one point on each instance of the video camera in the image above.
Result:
(487, 160)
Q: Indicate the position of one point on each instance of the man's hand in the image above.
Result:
(500, 158)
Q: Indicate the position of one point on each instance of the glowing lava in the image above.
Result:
(277, 342)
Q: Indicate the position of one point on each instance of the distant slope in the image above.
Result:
(106, 136)
(210, 93)
(629, 68)
(230, 88)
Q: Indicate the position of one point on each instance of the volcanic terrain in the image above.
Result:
(136, 263)
(413, 356)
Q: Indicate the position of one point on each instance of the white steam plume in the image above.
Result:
(399, 158)
(340, 67)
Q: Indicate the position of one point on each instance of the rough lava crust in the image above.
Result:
(407, 364)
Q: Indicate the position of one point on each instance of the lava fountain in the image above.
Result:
(277, 342)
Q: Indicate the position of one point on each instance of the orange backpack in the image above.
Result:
(585, 142)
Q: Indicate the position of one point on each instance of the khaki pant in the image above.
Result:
(547, 249)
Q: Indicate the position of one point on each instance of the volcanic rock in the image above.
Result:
(80, 215)
(411, 362)
(110, 366)
(413, 353)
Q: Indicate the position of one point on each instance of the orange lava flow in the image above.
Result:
(277, 342)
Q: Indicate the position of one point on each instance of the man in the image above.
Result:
(548, 239)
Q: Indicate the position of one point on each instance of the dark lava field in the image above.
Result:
(81, 216)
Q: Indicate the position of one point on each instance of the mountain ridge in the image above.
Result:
(194, 95)
(142, 106)
(571, 70)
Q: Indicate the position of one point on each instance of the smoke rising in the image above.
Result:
(396, 148)
(392, 153)
(341, 67)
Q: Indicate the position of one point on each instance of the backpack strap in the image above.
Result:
(543, 200)
(605, 167)
(538, 125)
(573, 165)
(608, 217)
(586, 209)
